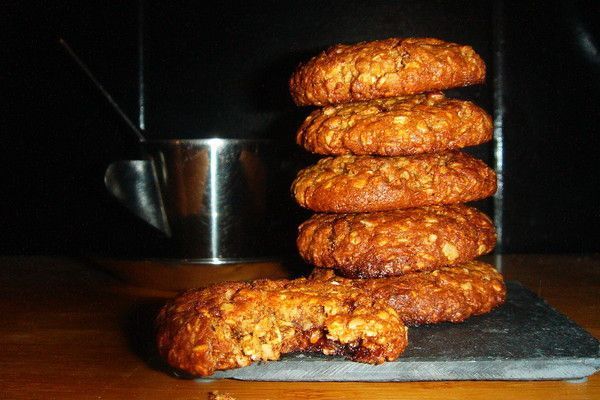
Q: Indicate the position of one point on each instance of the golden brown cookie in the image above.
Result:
(350, 184)
(233, 324)
(449, 294)
(395, 126)
(370, 245)
(384, 68)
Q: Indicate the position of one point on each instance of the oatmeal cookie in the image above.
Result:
(395, 126)
(370, 245)
(448, 294)
(351, 184)
(233, 324)
(384, 68)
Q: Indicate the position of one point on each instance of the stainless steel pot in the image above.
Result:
(208, 196)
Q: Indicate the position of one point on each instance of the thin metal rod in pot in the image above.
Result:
(108, 97)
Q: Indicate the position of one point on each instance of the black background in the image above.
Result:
(221, 70)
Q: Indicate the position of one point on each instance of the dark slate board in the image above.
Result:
(525, 339)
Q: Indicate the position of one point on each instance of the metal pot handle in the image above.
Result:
(133, 183)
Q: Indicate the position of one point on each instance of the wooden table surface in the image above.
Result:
(71, 331)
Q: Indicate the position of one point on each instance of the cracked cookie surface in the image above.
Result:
(350, 184)
(384, 68)
(448, 294)
(395, 126)
(233, 324)
(368, 245)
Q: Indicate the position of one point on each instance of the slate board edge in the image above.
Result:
(340, 371)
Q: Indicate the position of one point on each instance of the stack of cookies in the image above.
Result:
(389, 195)
(388, 202)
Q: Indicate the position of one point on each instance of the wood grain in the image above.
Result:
(70, 331)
